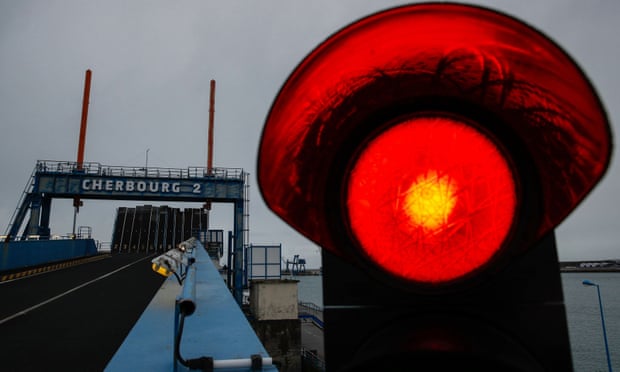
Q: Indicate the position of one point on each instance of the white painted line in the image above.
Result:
(26, 311)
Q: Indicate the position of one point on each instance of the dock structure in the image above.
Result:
(298, 265)
(209, 329)
(150, 230)
(72, 180)
(69, 180)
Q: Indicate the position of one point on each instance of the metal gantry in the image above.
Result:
(90, 180)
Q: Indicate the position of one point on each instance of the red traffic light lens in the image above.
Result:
(431, 199)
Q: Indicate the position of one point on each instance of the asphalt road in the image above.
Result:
(73, 319)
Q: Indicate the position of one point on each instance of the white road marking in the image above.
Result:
(26, 311)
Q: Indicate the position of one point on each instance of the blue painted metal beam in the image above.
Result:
(35, 215)
(141, 188)
(238, 270)
(20, 215)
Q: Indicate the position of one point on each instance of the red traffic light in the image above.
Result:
(431, 199)
(522, 132)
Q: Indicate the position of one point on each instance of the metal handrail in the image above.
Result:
(23, 196)
(312, 357)
(311, 307)
(97, 169)
(185, 305)
(311, 311)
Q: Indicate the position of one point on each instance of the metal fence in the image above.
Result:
(97, 169)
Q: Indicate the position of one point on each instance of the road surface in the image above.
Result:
(73, 319)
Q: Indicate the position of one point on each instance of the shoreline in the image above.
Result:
(590, 270)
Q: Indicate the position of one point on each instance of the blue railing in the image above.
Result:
(312, 312)
(185, 306)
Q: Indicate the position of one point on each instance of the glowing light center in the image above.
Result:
(430, 200)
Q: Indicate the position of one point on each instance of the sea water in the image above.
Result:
(584, 319)
(582, 310)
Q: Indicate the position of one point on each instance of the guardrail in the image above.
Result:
(185, 305)
(311, 311)
(311, 357)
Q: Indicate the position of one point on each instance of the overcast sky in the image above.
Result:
(152, 62)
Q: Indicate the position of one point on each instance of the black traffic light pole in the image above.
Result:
(514, 321)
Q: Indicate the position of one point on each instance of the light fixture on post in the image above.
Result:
(600, 304)
(146, 164)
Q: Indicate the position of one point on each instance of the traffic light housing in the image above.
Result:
(431, 150)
